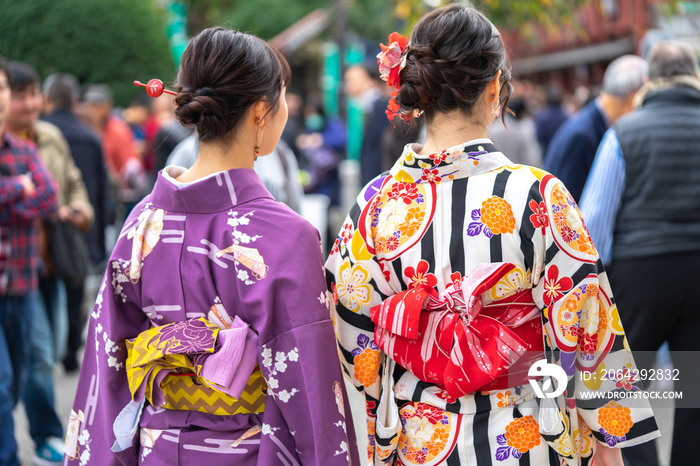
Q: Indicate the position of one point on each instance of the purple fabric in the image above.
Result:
(231, 366)
(188, 266)
(246, 366)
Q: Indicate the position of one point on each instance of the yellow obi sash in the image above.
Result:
(188, 393)
(164, 365)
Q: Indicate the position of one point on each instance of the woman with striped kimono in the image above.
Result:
(471, 307)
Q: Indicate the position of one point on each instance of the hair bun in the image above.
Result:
(454, 52)
(222, 74)
(420, 80)
(202, 111)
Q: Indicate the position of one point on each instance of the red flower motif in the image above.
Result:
(370, 406)
(455, 277)
(392, 242)
(407, 192)
(431, 413)
(335, 293)
(431, 175)
(438, 157)
(443, 393)
(567, 234)
(420, 276)
(539, 219)
(385, 271)
(346, 232)
(390, 58)
(554, 288)
(624, 380)
(588, 342)
(335, 249)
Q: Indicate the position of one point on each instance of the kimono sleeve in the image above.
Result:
(355, 279)
(306, 394)
(583, 327)
(103, 389)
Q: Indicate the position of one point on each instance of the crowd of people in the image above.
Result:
(464, 261)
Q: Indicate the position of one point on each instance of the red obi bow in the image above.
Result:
(453, 340)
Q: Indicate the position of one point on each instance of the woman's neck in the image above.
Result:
(451, 129)
(218, 157)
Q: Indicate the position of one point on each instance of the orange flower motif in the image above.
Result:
(367, 367)
(497, 214)
(615, 419)
(585, 245)
(592, 290)
(414, 219)
(559, 196)
(523, 434)
(438, 441)
(571, 304)
(504, 399)
(560, 219)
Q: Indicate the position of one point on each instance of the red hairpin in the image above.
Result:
(154, 88)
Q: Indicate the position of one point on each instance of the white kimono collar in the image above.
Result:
(470, 158)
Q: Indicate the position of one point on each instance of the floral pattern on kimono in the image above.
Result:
(187, 294)
(433, 219)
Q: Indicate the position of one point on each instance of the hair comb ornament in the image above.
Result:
(391, 60)
(154, 88)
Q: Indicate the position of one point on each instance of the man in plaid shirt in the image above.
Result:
(27, 194)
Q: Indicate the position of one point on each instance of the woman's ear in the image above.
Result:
(494, 87)
(258, 112)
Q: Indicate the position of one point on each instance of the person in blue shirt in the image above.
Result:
(641, 204)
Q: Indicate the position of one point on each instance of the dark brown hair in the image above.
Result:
(22, 76)
(222, 74)
(453, 53)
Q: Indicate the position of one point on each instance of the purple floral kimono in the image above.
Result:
(211, 341)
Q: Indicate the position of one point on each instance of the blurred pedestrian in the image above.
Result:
(27, 195)
(295, 122)
(321, 148)
(516, 136)
(50, 329)
(551, 117)
(573, 147)
(362, 84)
(170, 132)
(642, 207)
(119, 148)
(61, 93)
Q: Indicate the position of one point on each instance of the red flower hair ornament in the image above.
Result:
(392, 59)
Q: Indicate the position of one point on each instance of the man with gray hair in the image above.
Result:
(642, 207)
(571, 152)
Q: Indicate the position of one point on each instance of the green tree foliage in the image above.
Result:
(267, 18)
(514, 14)
(99, 41)
(373, 19)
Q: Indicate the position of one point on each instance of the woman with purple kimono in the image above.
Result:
(211, 341)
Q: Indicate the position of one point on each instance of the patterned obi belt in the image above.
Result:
(194, 365)
(457, 342)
